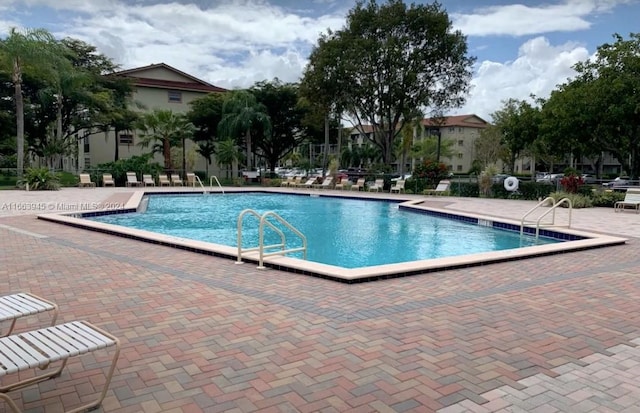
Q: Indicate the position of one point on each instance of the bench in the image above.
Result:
(15, 306)
(39, 348)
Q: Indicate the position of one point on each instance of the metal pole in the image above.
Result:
(184, 160)
(438, 148)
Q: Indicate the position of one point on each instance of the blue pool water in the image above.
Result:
(348, 233)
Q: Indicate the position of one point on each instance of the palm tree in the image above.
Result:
(242, 112)
(428, 148)
(228, 153)
(28, 47)
(164, 129)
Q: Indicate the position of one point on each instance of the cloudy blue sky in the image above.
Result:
(522, 47)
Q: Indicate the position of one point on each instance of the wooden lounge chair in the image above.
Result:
(326, 183)
(358, 186)
(163, 180)
(132, 179)
(147, 180)
(377, 186)
(40, 348)
(175, 180)
(15, 306)
(631, 199)
(441, 189)
(398, 187)
(107, 180)
(85, 181)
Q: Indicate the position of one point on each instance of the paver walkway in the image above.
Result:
(199, 333)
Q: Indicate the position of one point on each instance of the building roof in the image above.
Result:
(190, 83)
(468, 121)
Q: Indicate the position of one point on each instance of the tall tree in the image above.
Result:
(518, 122)
(285, 119)
(228, 153)
(19, 49)
(390, 60)
(162, 130)
(242, 114)
(205, 114)
(488, 147)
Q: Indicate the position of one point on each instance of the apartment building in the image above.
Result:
(156, 86)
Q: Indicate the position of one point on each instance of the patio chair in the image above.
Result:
(631, 199)
(441, 189)
(289, 182)
(398, 187)
(15, 306)
(40, 348)
(85, 181)
(326, 183)
(191, 179)
(147, 180)
(132, 179)
(107, 180)
(308, 184)
(359, 185)
(343, 184)
(377, 186)
(163, 180)
(175, 180)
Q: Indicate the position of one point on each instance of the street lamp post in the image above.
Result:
(436, 131)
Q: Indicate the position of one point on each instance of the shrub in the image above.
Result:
(40, 179)
(118, 169)
(606, 199)
(571, 182)
(427, 175)
(68, 179)
(465, 189)
(577, 200)
(535, 190)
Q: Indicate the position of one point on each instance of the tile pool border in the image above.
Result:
(576, 240)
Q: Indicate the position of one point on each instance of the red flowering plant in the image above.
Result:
(571, 181)
(428, 174)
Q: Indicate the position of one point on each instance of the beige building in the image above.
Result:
(462, 130)
(157, 86)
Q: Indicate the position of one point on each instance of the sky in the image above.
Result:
(522, 47)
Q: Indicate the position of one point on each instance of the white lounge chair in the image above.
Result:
(308, 184)
(398, 187)
(290, 181)
(163, 180)
(107, 180)
(325, 184)
(441, 189)
(377, 186)
(85, 181)
(147, 180)
(40, 348)
(359, 185)
(631, 199)
(132, 179)
(343, 184)
(175, 179)
(15, 306)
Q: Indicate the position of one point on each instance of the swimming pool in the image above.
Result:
(576, 239)
(348, 233)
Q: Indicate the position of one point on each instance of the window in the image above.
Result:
(86, 148)
(459, 156)
(452, 129)
(125, 139)
(461, 143)
(87, 162)
(459, 168)
(174, 96)
(460, 130)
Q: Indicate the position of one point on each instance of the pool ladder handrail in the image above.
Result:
(197, 178)
(211, 179)
(552, 211)
(261, 247)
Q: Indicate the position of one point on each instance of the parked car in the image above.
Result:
(550, 179)
(589, 179)
(619, 181)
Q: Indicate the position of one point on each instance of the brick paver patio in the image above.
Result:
(549, 334)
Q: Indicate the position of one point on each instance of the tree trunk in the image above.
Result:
(249, 154)
(166, 153)
(17, 83)
(326, 145)
(116, 154)
(339, 157)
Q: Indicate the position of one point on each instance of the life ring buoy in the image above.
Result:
(511, 183)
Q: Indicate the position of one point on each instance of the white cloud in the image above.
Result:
(521, 20)
(537, 70)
